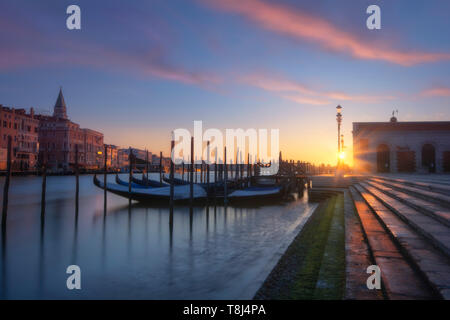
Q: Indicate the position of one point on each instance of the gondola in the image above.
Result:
(162, 194)
(256, 193)
(176, 181)
(148, 182)
(133, 184)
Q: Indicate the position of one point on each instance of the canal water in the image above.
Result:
(130, 253)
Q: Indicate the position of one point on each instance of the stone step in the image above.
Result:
(399, 279)
(439, 198)
(441, 184)
(357, 256)
(437, 233)
(431, 209)
(431, 263)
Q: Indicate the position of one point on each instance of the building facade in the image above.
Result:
(23, 128)
(112, 160)
(61, 139)
(397, 147)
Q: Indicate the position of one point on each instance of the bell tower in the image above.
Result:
(60, 107)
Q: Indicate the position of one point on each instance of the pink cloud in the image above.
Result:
(303, 94)
(304, 100)
(276, 84)
(360, 98)
(304, 26)
(32, 48)
(436, 92)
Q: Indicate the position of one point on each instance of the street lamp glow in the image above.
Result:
(339, 109)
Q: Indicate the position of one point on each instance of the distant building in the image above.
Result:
(59, 137)
(112, 160)
(122, 155)
(401, 146)
(23, 129)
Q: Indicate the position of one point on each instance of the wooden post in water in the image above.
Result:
(191, 188)
(160, 166)
(248, 170)
(207, 167)
(226, 176)
(172, 168)
(77, 179)
(105, 177)
(6, 186)
(146, 167)
(242, 169)
(44, 184)
(130, 172)
(215, 179)
(182, 170)
(236, 173)
(196, 175)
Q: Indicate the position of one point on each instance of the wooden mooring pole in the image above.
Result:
(182, 171)
(191, 187)
(207, 168)
(77, 180)
(105, 178)
(248, 170)
(130, 173)
(44, 184)
(160, 166)
(6, 186)
(226, 176)
(172, 168)
(146, 166)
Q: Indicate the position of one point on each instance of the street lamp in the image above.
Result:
(342, 153)
(339, 121)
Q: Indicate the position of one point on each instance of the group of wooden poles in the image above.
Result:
(220, 174)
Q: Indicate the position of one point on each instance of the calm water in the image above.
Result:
(130, 253)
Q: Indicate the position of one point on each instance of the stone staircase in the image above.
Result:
(406, 224)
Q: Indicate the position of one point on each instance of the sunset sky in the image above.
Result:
(139, 69)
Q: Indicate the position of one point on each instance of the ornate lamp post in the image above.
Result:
(339, 121)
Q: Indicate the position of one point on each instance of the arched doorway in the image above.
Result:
(429, 157)
(383, 158)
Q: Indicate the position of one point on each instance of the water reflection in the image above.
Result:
(134, 250)
(3, 293)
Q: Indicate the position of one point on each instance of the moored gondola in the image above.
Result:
(162, 194)
(256, 193)
(148, 182)
(126, 184)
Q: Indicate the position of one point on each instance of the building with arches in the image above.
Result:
(401, 147)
